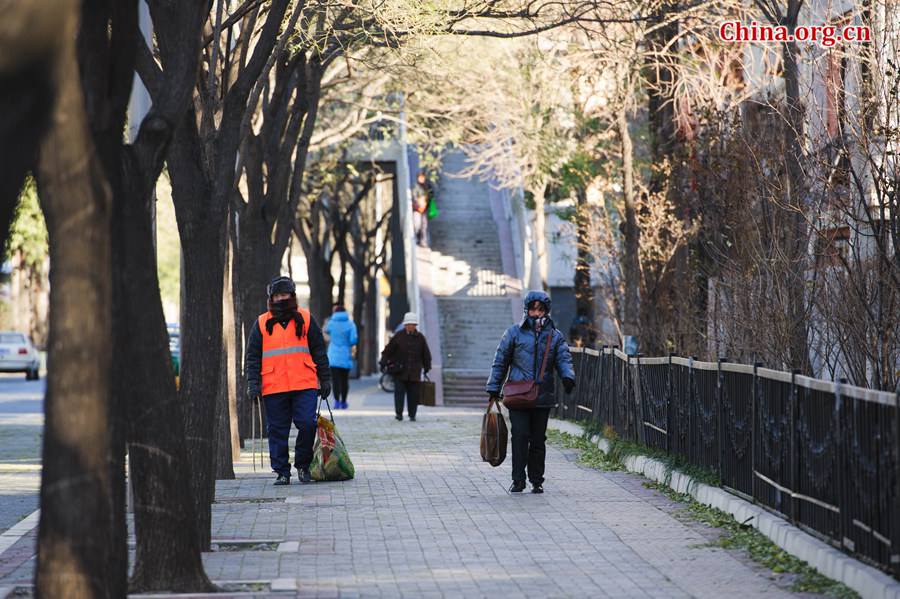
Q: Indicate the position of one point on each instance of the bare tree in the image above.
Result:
(81, 538)
(148, 411)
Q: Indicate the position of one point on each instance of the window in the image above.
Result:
(12, 339)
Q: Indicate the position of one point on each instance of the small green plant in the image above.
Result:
(742, 536)
(590, 455)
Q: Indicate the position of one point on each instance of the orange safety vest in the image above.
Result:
(287, 364)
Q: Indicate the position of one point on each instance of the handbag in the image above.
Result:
(523, 395)
(427, 392)
(494, 436)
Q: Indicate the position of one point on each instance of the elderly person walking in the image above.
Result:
(342, 336)
(408, 350)
(519, 357)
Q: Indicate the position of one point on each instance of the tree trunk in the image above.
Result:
(256, 266)
(201, 343)
(202, 213)
(540, 271)
(584, 293)
(321, 284)
(168, 549)
(81, 533)
(225, 446)
(359, 302)
(372, 343)
(796, 199)
(631, 267)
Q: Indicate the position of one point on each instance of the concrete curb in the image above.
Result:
(19, 530)
(869, 582)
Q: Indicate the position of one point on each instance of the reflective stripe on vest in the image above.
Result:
(287, 364)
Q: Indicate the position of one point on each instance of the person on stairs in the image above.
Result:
(286, 363)
(408, 349)
(422, 203)
(519, 357)
(342, 336)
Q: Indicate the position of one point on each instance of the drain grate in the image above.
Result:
(232, 500)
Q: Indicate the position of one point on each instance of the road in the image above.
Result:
(21, 429)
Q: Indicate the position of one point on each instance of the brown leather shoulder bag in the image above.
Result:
(523, 395)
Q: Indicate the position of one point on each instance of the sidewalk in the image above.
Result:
(425, 517)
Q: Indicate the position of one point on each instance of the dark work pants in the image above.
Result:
(409, 390)
(281, 409)
(340, 380)
(529, 443)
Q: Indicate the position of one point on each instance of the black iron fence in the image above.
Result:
(824, 455)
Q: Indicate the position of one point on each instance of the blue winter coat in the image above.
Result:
(343, 335)
(519, 356)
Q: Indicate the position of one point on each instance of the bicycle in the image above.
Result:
(386, 382)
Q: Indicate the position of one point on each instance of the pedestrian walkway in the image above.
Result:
(425, 517)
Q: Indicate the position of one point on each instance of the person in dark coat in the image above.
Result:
(407, 349)
(518, 358)
(287, 366)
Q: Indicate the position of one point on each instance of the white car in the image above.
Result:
(17, 354)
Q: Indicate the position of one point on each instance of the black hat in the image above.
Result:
(281, 285)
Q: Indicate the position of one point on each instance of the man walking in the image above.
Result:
(286, 362)
(408, 350)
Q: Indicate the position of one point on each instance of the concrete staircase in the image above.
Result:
(469, 283)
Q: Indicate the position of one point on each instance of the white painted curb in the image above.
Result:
(869, 582)
(19, 530)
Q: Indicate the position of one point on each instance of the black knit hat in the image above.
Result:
(281, 285)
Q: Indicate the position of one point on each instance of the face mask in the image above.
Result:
(284, 308)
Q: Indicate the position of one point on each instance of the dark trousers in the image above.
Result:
(409, 390)
(340, 381)
(529, 443)
(281, 410)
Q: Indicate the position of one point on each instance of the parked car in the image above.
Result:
(175, 346)
(17, 354)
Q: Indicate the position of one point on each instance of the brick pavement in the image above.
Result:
(425, 517)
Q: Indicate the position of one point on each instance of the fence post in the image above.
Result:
(843, 499)
(895, 542)
(795, 465)
(754, 432)
(720, 422)
(691, 409)
(669, 406)
(639, 400)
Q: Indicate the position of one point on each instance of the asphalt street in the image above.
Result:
(21, 428)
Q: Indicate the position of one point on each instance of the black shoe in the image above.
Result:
(517, 486)
(537, 488)
(282, 480)
(412, 418)
(399, 416)
(303, 475)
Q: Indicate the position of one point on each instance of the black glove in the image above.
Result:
(253, 395)
(493, 396)
(324, 390)
(569, 385)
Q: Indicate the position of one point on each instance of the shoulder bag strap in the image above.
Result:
(540, 378)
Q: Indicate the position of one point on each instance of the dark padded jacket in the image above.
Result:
(253, 355)
(410, 350)
(519, 357)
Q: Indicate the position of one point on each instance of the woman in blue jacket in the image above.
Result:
(342, 336)
(519, 357)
